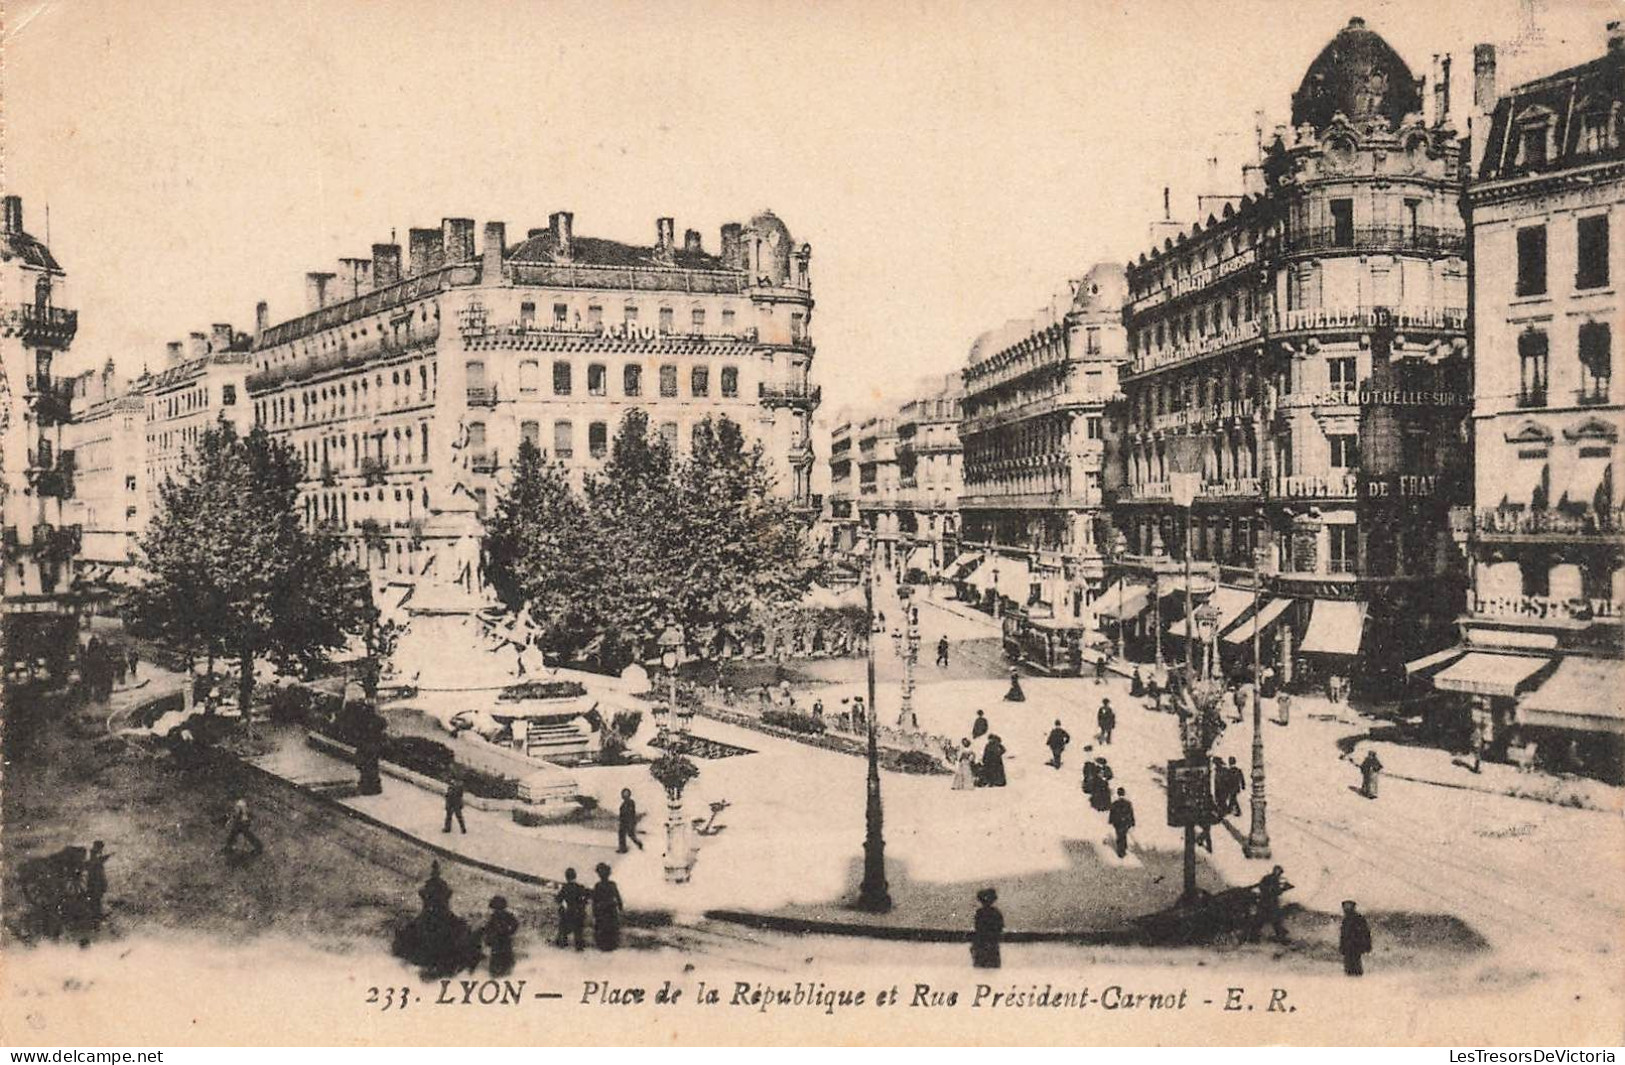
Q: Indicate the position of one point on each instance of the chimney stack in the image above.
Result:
(1484, 78)
(316, 294)
(457, 235)
(355, 278)
(691, 242)
(13, 214)
(220, 337)
(496, 236)
(733, 245)
(665, 239)
(199, 345)
(562, 223)
(1616, 44)
(174, 351)
(386, 265)
(262, 318)
(424, 251)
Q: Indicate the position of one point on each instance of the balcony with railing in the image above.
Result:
(483, 462)
(1380, 240)
(1593, 394)
(482, 395)
(1545, 524)
(794, 394)
(40, 324)
(1529, 398)
(374, 470)
(636, 278)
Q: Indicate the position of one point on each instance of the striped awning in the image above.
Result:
(1428, 665)
(962, 565)
(1481, 673)
(1268, 614)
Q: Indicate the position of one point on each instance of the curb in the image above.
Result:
(810, 926)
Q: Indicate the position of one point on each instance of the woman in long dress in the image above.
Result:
(964, 767)
(993, 763)
(989, 930)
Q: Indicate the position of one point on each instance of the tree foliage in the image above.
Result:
(652, 541)
(234, 574)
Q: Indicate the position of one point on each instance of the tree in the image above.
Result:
(234, 573)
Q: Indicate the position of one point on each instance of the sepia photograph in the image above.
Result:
(1051, 523)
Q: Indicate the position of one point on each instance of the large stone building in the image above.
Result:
(408, 390)
(1298, 382)
(36, 473)
(108, 439)
(1033, 427)
(1543, 624)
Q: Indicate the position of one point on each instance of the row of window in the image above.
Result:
(666, 318)
(344, 398)
(597, 382)
(179, 403)
(563, 445)
(1590, 256)
(389, 447)
(1594, 344)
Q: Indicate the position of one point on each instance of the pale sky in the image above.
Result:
(951, 164)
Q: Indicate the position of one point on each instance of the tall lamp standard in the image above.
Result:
(1258, 837)
(908, 649)
(671, 646)
(873, 894)
(1119, 548)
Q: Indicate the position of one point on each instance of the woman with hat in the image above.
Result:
(498, 933)
(606, 911)
(984, 944)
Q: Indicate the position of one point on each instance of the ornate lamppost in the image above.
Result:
(674, 772)
(671, 655)
(873, 894)
(908, 649)
(1207, 625)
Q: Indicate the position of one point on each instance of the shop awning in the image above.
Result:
(1122, 603)
(1335, 628)
(1268, 614)
(1585, 479)
(1231, 604)
(920, 558)
(1428, 665)
(1015, 578)
(1522, 478)
(962, 565)
(981, 578)
(1585, 694)
(1481, 673)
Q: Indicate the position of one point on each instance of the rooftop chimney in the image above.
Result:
(174, 351)
(457, 234)
(562, 223)
(1616, 38)
(220, 337)
(733, 245)
(424, 251)
(496, 236)
(665, 239)
(355, 278)
(13, 214)
(1484, 78)
(386, 265)
(316, 294)
(199, 345)
(691, 242)
(262, 318)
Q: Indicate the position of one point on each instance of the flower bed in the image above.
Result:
(890, 758)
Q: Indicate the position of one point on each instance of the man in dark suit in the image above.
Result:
(628, 829)
(1353, 940)
(1121, 818)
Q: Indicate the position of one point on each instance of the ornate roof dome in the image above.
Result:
(1358, 75)
(1103, 288)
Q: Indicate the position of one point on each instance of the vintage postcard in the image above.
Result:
(812, 524)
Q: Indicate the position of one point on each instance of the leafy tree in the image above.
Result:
(536, 545)
(234, 573)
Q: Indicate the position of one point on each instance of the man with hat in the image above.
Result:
(572, 898)
(1353, 939)
(989, 930)
(1121, 818)
(498, 933)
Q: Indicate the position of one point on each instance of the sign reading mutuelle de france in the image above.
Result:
(907, 530)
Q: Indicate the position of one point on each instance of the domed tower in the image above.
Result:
(35, 331)
(1357, 75)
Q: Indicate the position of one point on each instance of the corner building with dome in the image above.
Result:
(1295, 393)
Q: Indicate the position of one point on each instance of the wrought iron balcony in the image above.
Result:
(1570, 522)
(483, 462)
(482, 395)
(1532, 397)
(35, 323)
(790, 395)
(373, 470)
(1424, 240)
(1594, 394)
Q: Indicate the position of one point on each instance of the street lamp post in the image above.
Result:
(910, 651)
(1258, 836)
(671, 645)
(873, 894)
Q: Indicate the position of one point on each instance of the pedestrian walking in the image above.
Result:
(96, 878)
(989, 931)
(1100, 670)
(134, 661)
(498, 933)
(964, 768)
(942, 652)
(818, 709)
(1107, 720)
(627, 828)
(572, 899)
(238, 823)
(1121, 818)
(1369, 770)
(1056, 742)
(1237, 785)
(1353, 940)
(1238, 699)
(454, 804)
(606, 911)
(1101, 797)
(859, 717)
(1136, 684)
(1015, 694)
(978, 728)
(1270, 889)
(1153, 691)
(1091, 778)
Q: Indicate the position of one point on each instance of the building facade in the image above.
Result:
(875, 459)
(929, 478)
(1541, 657)
(107, 435)
(1033, 427)
(404, 386)
(1297, 387)
(36, 473)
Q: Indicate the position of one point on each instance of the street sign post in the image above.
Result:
(1190, 794)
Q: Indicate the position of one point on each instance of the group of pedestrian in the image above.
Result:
(102, 667)
(1119, 811)
(979, 762)
(1228, 784)
(604, 901)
